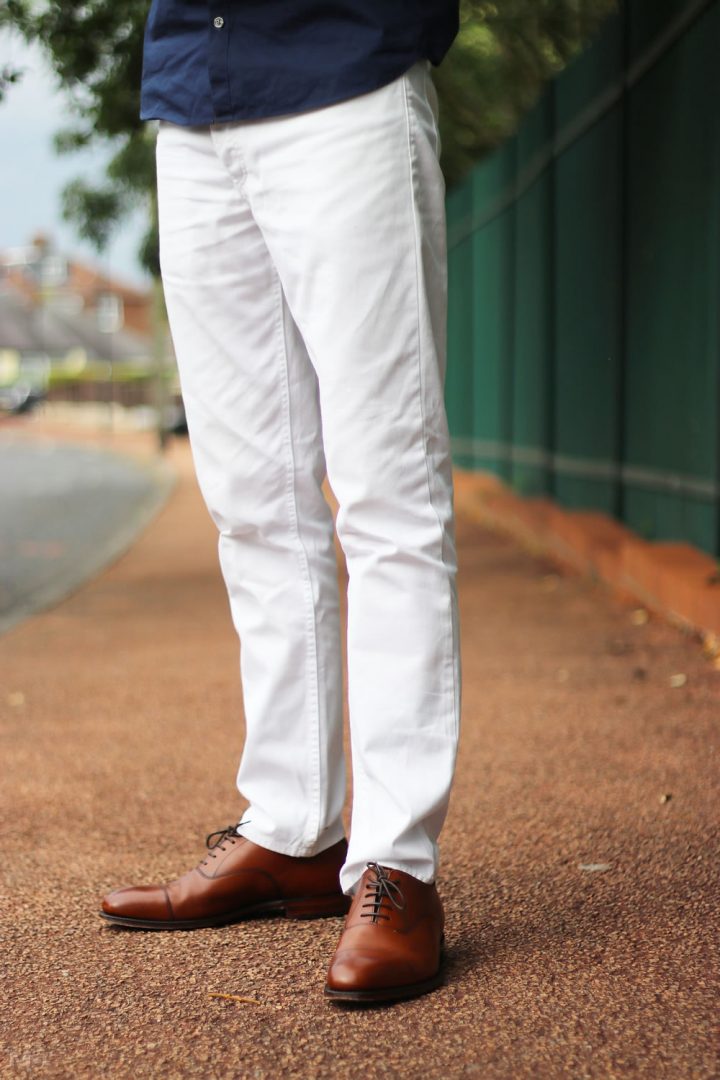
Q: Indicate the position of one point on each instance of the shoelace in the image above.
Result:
(211, 843)
(378, 891)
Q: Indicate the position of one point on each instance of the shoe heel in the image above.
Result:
(315, 907)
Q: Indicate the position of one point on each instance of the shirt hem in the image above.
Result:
(265, 112)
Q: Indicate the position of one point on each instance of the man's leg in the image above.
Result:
(350, 201)
(252, 406)
(250, 394)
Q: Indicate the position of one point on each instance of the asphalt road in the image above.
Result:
(65, 512)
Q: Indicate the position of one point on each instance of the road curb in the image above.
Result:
(674, 579)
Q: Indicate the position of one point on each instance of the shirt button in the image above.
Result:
(218, 22)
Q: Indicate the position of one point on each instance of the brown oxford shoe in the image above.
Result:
(391, 946)
(236, 880)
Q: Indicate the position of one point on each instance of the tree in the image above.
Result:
(95, 50)
(504, 52)
(503, 55)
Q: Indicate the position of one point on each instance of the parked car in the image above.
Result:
(174, 421)
(20, 398)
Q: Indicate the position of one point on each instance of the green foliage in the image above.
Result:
(503, 54)
(96, 211)
(95, 50)
(99, 371)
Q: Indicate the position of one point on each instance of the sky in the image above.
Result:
(32, 174)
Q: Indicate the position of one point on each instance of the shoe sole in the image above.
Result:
(304, 907)
(384, 993)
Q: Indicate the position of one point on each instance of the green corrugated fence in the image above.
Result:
(584, 265)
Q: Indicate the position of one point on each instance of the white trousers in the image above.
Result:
(304, 265)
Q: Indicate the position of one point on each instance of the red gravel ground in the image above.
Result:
(580, 859)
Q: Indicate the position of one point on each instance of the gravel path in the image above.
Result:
(580, 857)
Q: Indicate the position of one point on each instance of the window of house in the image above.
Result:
(109, 311)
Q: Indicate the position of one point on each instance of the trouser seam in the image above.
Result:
(313, 826)
(410, 132)
(301, 849)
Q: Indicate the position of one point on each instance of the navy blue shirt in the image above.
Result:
(208, 61)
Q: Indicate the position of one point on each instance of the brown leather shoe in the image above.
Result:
(236, 880)
(391, 946)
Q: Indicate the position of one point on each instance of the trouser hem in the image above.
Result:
(349, 883)
(298, 848)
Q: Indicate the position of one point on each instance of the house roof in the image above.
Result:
(34, 327)
(39, 271)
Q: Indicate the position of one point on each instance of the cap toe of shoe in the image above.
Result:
(138, 902)
(354, 970)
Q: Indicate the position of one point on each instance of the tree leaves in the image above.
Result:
(503, 55)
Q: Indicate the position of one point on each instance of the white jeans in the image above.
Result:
(304, 265)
